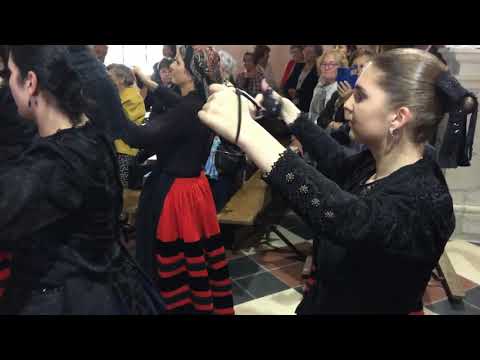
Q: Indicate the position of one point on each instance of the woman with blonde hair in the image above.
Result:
(327, 66)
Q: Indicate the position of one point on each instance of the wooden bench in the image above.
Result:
(244, 207)
(248, 210)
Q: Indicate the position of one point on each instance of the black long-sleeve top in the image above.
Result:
(178, 137)
(376, 244)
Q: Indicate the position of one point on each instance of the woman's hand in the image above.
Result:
(296, 146)
(289, 111)
(335, 125)
(220, 113)
(138, 72)
(344, 89)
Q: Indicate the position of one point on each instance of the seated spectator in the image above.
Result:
(261, 55)
(134, 107)
(251, 78)
(327, 66)
(304, 78)
(296, 52)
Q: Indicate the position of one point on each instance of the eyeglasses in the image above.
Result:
(329, 65)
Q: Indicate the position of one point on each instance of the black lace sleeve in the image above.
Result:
(329, 155)
(387, 221)
(35, 193)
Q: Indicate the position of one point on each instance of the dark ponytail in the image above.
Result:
(55, 74)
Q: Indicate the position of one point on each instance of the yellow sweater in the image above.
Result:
(134, 107)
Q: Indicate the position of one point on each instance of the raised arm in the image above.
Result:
(160, 130)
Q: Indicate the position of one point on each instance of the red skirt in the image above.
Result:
(5, 263)
(192, 268)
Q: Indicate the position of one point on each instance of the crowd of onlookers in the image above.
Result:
(310, 80)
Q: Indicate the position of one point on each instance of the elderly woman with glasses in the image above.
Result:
(327, 66)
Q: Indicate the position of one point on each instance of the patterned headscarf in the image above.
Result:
(203, 63)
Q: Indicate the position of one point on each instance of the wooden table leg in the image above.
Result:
(307, 267)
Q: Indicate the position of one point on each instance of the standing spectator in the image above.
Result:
(262, 55)
(251, 78)
(164, 79)
(169, 52)
(327, 66)
(296, 52)
(101, 52)
(348, 50)
(300, 85)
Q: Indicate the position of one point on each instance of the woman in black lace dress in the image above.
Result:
(61, 201)
(382, 217)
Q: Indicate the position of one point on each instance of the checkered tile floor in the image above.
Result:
(268, 280)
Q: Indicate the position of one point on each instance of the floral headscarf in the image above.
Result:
(203, 63)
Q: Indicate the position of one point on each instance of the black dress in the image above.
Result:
(60, 204)
(375, 245)
(178, 235)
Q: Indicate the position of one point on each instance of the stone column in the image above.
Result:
(464, 182)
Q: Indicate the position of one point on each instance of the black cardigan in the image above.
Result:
(305, 93)
(375, 245)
